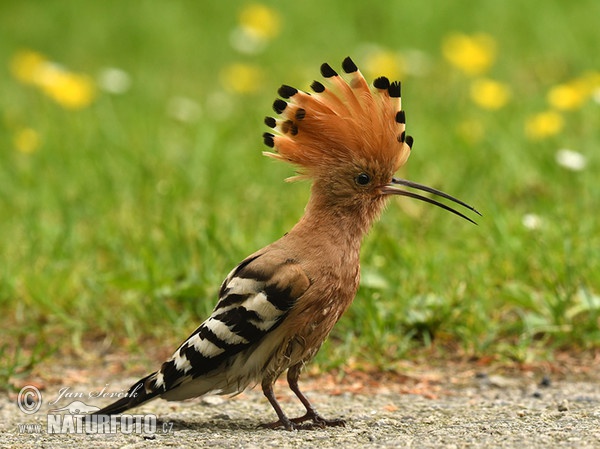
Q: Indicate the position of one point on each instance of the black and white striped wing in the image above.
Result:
(253, 301)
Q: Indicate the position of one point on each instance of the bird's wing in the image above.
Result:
(253, 300)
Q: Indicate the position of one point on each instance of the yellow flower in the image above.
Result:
(544, 124)
(26, 66)
(380, 61)
(26, 140)
(70, 90)
(474, 54)
(260, 21)
(489, 94)
(242, 78)
(566, 97)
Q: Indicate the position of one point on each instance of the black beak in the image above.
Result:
(391, 189)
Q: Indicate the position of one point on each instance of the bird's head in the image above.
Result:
(348, 138)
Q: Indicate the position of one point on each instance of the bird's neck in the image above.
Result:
(339, 225)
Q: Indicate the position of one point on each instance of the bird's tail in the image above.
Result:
(139, 393)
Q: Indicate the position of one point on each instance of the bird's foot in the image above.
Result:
(318, 422)
(286, 423)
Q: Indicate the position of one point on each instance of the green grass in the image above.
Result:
(124, 221)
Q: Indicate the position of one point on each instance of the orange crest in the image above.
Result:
(342, 122)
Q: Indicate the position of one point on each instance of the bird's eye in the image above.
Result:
(363, 179)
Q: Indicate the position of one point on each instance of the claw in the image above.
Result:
(287, 424)
(318, 421)
(322, 422)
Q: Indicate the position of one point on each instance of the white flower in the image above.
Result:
(532, 221)
(184, 109)
(114, 80)
(571, 160)
(596, 95)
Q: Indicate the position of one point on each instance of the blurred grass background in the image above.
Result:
(132, 181)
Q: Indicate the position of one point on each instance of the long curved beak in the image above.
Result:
(391, 189)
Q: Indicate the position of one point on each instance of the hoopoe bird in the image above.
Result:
(279, 304)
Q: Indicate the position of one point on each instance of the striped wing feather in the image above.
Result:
(253, 301)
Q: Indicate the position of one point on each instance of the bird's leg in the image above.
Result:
(311, 414)
(284, 421)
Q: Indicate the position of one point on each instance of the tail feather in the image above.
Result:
(138, 394)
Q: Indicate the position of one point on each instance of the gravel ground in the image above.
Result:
(483, 411)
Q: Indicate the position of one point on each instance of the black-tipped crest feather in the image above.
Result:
(317, 87)
(381, 83)
(349, 66)
(327, 71)
(395, 89)
(279, 105)
(270, 122)
(286, 91)
(268, 140)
